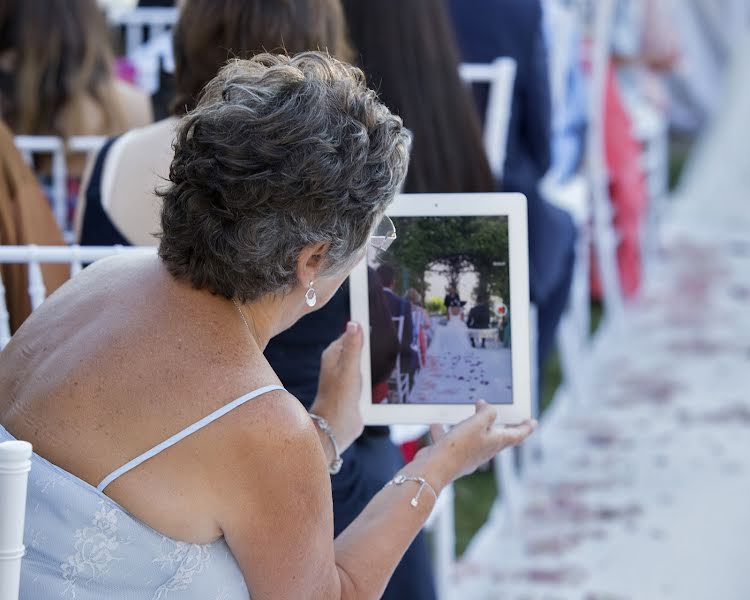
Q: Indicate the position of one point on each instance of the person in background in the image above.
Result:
(422, 326)
(118, 203)
(122, 208)
(384, 345)
(624, 154)
(488, 29)
(400, 307)
(233, 499)
(452, 298)
(479, 316)
(56, 74)
(408, 53)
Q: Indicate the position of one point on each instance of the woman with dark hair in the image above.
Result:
(409, 55)
(119, 204)
(56, 73)
(145, 482)
(383, 337)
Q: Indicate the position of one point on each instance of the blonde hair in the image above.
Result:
(414, 297)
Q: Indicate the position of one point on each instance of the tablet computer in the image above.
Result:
(445, 311)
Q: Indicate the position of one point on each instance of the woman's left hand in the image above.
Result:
(340, 386)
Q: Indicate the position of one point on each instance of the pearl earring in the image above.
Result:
(310, 298)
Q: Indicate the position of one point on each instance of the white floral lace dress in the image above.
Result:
(81, 545)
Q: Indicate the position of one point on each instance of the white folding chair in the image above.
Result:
(400, 380)
(58, 149)
(148, 42)
(33, 145)
(574, 196)
(150, 59)
(500, 75)
(142, 23)
(652, 131)
(35, 256)
(605, 236)
(15, 464)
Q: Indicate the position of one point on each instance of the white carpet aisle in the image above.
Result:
(644, 493)
(454, 370)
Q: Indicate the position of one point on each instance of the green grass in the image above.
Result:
(476, 493)
(474, 497)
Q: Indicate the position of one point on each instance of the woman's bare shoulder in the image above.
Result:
(135, 104)
(272, 440)
(275, 417)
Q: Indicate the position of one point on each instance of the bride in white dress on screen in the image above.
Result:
(452, 337)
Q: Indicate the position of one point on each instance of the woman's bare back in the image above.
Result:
(118, 360)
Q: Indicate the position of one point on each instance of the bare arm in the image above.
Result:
(277, 515)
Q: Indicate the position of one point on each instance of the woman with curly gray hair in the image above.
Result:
(169, 459)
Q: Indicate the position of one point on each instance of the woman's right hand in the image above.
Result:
(470, 444)
(340, 386)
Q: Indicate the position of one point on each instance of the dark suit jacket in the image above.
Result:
(400, 307)
(486, 30)
(479, 317)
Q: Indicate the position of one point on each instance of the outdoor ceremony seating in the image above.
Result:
(143, 24)
(15, 464)
(400, 379)
(499, 76)
(58, 148)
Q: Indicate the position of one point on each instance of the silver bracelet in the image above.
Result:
(325, 427)
(402, 479)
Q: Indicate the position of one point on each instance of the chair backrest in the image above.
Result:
(15, 464)
(150, 59)
(605, 238)
(58, 148)
(500, 75)
(35, 256)
(399, 322)
(564, 21)
(143, 23)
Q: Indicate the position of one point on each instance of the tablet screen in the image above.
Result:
(444, 312)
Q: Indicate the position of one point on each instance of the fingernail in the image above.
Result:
(352, 327)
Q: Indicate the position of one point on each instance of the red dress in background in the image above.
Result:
(627, 190)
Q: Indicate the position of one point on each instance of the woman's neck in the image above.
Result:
(268, 317)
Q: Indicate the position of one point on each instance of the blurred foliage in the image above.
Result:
(451, 246)
(475, 494)
(436, 306)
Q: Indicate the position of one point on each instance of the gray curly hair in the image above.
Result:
(280, 153)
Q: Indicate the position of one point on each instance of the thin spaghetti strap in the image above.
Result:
(184, 433)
